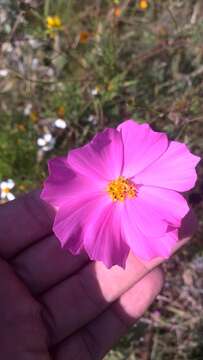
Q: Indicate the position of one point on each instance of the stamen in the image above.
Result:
(121, 188)
(6, 190)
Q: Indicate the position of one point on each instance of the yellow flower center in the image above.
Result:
(6, 190)
(121, 188)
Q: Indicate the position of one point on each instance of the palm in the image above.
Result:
(54, 305)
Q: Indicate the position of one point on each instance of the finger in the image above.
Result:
(101, 334)
(79, 299)
(23, 222)
(45, 264)
(21, 330)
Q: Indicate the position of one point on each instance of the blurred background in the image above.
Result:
(70, 68)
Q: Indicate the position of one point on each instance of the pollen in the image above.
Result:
(121, 189)
(6, 190)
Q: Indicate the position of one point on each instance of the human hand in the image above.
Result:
(56, 306)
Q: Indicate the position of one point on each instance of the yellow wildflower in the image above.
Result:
(61, 112)
(22, 187)
(84, 37)
(110, 86)
(53, 22)
(34, 117)
(143, 4)
(117, 12)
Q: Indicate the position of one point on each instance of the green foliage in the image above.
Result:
(18, 151)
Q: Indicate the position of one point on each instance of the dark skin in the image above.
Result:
(57, 306)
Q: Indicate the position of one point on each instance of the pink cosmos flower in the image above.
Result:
(121, 192)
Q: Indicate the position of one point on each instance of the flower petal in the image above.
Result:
(104, 239)
(147, 247)
(4, 185)
(10, 196)
(142, 146)
(102, 157)
(10, 184)
(72, 219)
(145, 216)
(41, 142)
(170, 205)
(3, 195)
(63, 183)
(175, 169)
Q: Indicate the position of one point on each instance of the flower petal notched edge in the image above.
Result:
(142, 146)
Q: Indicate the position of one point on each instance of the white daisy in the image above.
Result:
(46, 142)
(3, 72)
(27, 109)
(60, 124)
(95, 91)
(92, 119)
(5, 187)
